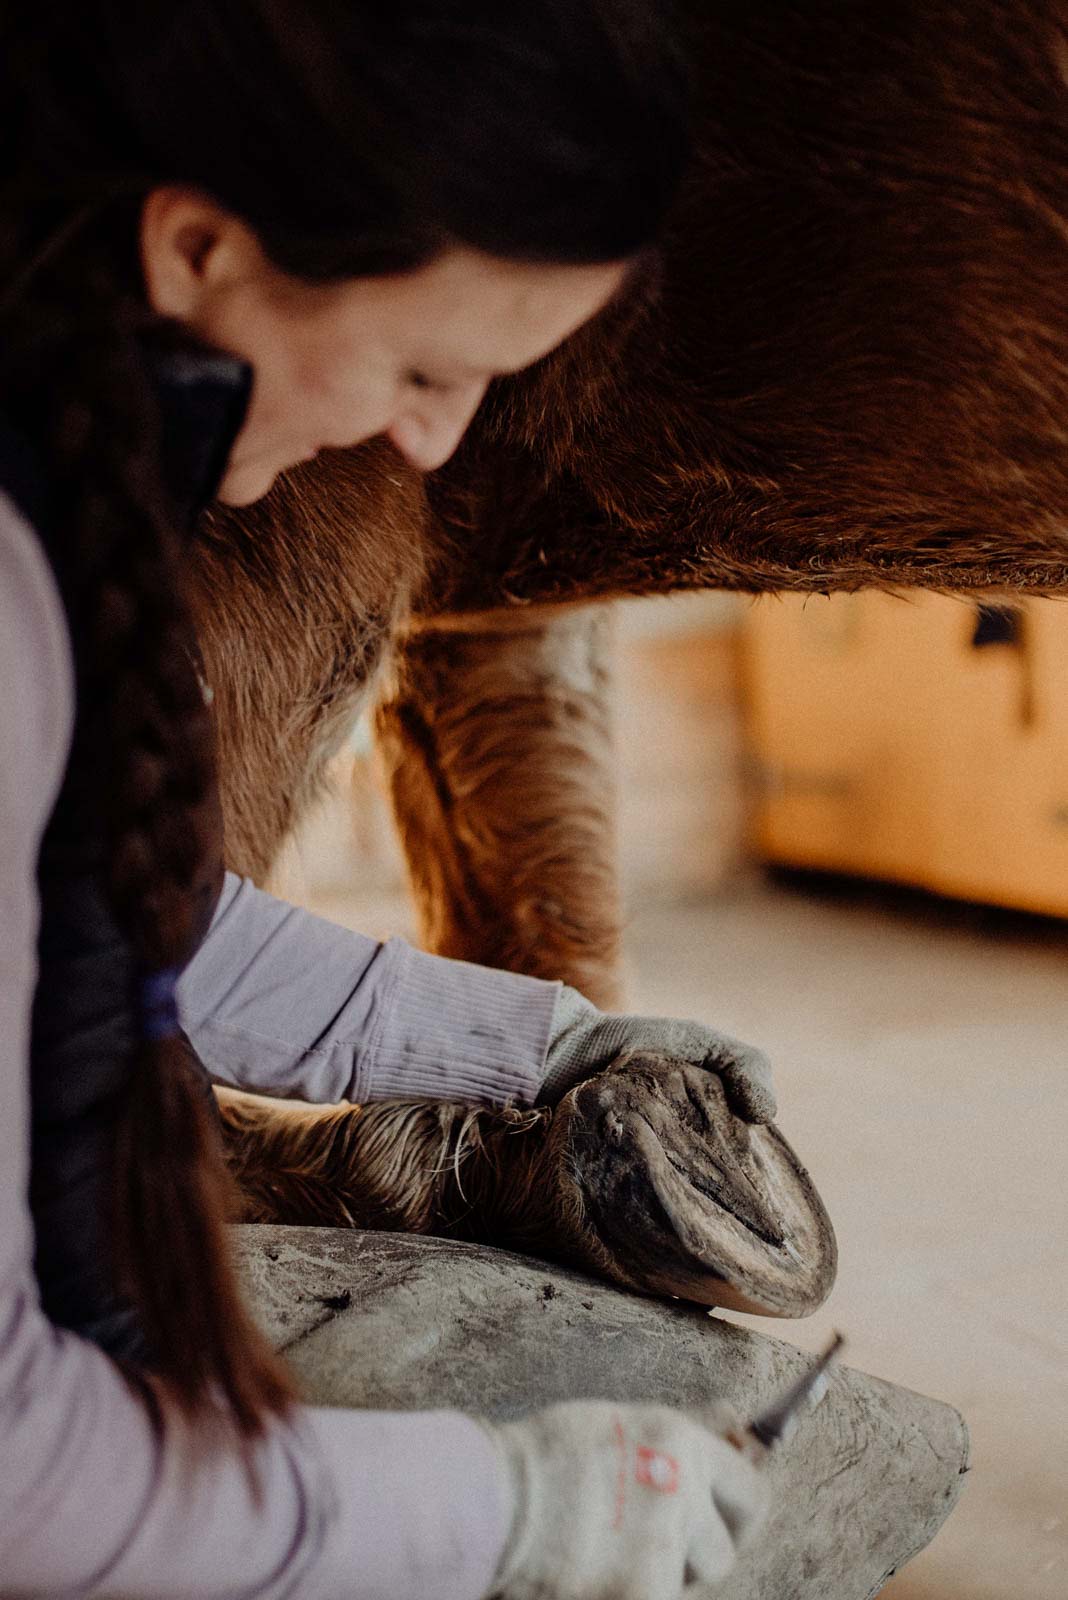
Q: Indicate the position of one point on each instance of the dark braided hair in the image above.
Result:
(355, 137)
(141, 700)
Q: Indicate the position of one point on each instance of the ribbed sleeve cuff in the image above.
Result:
(450, 1030)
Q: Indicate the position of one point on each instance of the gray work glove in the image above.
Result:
(585, 1040)
(622, 1502)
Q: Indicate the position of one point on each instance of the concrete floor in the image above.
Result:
(919, 1050)
(920, 1059)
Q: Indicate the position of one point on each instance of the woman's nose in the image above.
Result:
(428, 433)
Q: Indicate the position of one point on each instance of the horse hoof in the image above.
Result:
(683, 1198)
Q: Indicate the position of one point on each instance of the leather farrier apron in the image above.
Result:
(84, 1026)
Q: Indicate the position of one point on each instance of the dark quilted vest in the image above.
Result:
(84, 1017)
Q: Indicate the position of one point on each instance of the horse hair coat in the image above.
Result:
(849, 368)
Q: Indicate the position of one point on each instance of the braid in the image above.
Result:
(80, 335)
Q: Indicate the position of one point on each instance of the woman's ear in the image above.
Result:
(191, 249)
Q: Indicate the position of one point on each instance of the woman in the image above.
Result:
(232, 234)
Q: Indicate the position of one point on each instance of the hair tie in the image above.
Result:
(157, 1004)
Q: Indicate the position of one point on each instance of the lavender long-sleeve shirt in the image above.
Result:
(356, 1505)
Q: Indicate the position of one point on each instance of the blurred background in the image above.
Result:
(844, 837)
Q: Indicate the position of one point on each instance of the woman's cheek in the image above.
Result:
(349, 420)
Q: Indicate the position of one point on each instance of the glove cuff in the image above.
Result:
(575, 1046)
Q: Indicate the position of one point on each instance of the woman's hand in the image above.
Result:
(623, 1502)
(586, 1040)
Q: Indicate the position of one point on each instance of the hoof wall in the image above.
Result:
(684, 1198)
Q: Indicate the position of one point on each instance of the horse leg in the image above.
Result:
(296, 601)
(410, 1166)
(495, 733)
(641, 1175)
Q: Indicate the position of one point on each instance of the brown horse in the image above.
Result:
(848, 368)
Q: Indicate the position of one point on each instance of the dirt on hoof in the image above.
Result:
(686, 1199)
